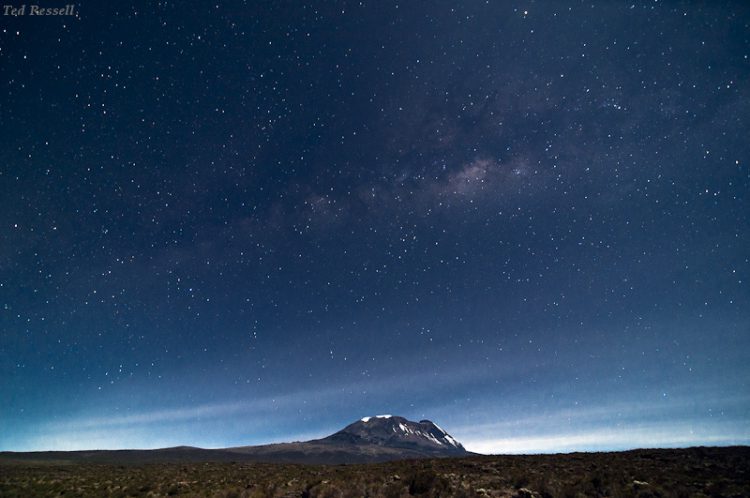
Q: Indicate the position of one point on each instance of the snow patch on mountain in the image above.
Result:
(367, 419)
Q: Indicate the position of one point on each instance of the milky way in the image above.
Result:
(226, 224)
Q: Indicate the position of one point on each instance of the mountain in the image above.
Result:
(397, 432)
(370, 439)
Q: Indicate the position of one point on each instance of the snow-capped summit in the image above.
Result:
(398, 432)
(367, 419)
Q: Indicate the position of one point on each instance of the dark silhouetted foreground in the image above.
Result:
(694, 472)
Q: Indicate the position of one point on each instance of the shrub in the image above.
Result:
(427, 481)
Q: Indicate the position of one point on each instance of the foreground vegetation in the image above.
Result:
(694, 472)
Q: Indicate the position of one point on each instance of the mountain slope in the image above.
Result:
(371, 439)
(398, 432)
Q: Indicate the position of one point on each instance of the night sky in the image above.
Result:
(229, 223)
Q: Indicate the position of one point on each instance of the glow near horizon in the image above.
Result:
(600, 439)
(220, 425)
(612, 420)
(620, 439)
